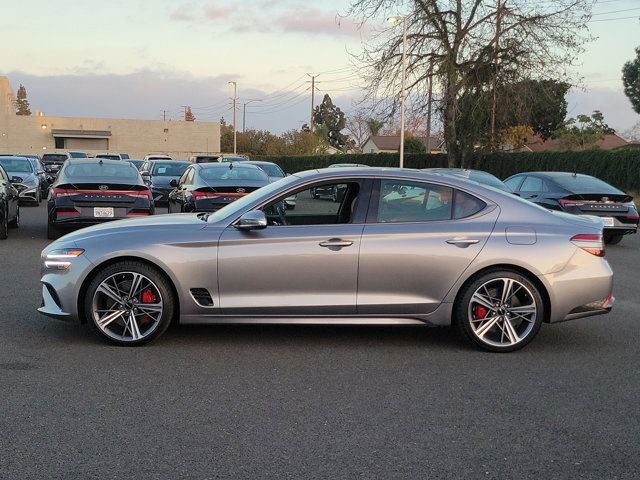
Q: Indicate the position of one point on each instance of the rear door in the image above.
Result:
(418, 240)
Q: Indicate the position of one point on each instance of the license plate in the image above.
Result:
(608, 221)
(103, 212)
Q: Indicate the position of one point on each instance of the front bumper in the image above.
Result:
(28, 193)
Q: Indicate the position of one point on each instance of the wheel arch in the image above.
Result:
(544, 293)
(127, 258)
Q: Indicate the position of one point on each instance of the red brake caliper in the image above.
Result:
(147, 297)
(479, 312)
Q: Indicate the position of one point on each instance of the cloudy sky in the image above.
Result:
(148, 58)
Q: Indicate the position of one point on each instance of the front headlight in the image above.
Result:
(60, 259)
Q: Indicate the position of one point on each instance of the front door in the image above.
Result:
(304, 263)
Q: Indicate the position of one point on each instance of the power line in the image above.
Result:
(617, 11)
(612, 19)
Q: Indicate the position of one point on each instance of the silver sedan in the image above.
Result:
(400, 247)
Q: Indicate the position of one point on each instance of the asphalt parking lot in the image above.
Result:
(209, 402)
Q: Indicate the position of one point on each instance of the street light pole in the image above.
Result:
(244, 112)
(394, 21)
(235, 98)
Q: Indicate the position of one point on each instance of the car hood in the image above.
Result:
(161, 223)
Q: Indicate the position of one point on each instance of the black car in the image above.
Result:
(207, 187)
(53, 162)
(158, 174)
(484, 178)
(25, 178)
(91, 191)
(44, 179)
(580, 195)
(9, 205)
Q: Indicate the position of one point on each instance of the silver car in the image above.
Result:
(402, 247)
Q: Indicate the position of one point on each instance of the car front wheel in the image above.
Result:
(129, 303)
(499, 311)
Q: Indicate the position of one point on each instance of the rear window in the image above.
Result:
(237, 173)
(584, 184)
(124, 171)
(53, 157)
(109, 157)
(21, 165)
(233, 159)
(205, 159)
(271, 170)
(169, 169)
(488, 179)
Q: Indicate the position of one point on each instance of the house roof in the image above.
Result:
(609, 142)
(392, 142)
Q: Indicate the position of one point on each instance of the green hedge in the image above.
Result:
(620, 168)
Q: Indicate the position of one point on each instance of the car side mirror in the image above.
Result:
(253, 220)
(15, 180)
(173, 183)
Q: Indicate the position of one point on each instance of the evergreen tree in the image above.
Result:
(631, 80)
(22, 104)
(189, 116)
(328, 115)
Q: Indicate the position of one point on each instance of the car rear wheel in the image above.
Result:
(499, 311)
(129, 303)
(15, 223)
(613, 239)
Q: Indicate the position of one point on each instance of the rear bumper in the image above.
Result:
(592, 309)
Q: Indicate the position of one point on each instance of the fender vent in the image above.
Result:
(202, 297)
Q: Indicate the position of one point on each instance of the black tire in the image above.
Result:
(152, 274)
(4, 223)
(613, 239)
(15, 223)
(53, 231)
(463, 309)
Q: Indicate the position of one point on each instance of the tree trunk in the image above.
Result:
(450, 130)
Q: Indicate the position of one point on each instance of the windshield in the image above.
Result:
(239, 173)
(124, 171)
(272, 170)
(53, 157)
(18, 165)
(234, 207)
(169, 169)
(584, 184)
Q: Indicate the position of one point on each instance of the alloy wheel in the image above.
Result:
(127, 306)
(502, 312)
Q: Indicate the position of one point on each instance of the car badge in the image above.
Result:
(240, 190)
(103, 187)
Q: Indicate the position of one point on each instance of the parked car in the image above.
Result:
(275, 173)
(9, 204)
(333, 192)
(158, 174)
(78, 155)
(207, 187)
(157, 156)
(44, 179)
(494, 265)
(91, 191)
(136, 163)
(232, 158)
(479, 176)
(109, 156)
(204, 158)
(53, 161)
(24, 177)
(580, 195)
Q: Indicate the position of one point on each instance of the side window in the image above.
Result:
(465, 205)
(405, 201)
(513, 183)
(531, 184)
(323, 204)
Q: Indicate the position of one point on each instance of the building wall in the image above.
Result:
(22, 134)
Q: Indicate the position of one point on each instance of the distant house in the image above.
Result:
(391, 144)
(537, 144)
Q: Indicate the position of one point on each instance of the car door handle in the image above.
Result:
(463, 242)
(336, 242)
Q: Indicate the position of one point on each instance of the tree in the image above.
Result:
(414, 145)
(633, 133)
(328, 115)
(583, 132)
(22, 104)
(374, 126)
(631, 80)
(189, 116)
(458, 45)
(226, 136)
(516, 136)
(357, 126)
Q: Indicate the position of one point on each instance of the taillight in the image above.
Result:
(589, 242)
(570, 203)
(63, 192)
(198, 194)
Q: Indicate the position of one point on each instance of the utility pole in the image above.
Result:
(495, 73)
(313, 91)
(164, 115)
(235, 130)
(185, 111)
(244, 111)
(429, 99)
